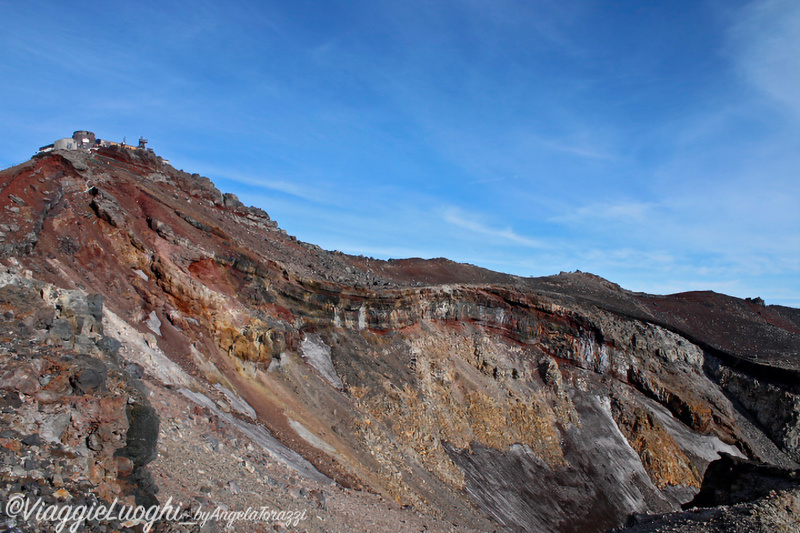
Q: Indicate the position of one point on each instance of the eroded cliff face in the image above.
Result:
(481, 399)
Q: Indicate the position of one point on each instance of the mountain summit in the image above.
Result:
(163, 340)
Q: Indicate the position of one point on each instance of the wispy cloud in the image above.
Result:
(257, 183)
(459, 218)
(610, 212)
(587, 151)
(627, 257)
(766, 45)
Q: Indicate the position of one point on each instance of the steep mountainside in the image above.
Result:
(401, 395)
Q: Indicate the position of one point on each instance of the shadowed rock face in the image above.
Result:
(730, 480)
(486, 400)
(737, 495)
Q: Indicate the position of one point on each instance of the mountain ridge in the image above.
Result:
(478, 398)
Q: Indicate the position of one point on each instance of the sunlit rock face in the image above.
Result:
(485, 400)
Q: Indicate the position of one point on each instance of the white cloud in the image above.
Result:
(460, 219)
(630, 257)
(619, 212)
(579, 143)
(766, 42)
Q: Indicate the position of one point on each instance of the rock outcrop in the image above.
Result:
(77, 424)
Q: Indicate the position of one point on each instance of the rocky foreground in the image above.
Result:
(162, 342)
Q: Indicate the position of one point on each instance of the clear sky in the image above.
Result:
(656, 144)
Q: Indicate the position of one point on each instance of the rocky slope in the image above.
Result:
(402, 395)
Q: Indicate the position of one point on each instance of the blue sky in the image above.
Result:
(656, 144)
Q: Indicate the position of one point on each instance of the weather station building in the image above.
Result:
(80, 140)
(86, 140)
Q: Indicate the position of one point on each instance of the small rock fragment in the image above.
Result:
(62, 494)
(32, 440)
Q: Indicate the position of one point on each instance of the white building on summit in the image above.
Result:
(80, 140)
(86, 140)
